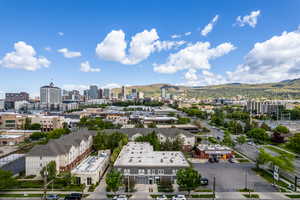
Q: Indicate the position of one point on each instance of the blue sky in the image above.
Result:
(30, 40)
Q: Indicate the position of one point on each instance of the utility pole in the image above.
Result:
(45, 182)
(214, 187)
(246, 181)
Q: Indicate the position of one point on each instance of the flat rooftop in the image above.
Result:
(91, 164)
(7, 159)
(212, 147)
(3, 136)
(142, 154)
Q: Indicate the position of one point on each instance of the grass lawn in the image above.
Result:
(253, 196)
(243, 160)
(279, 151)
(237, 155)
(245, 190)
(202, 196)
(268, 177)
(293, 196)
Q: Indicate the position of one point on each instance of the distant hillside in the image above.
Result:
(285, 90)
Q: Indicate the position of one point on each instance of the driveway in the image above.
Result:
(232, 176)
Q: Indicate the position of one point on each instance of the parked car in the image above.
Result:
(162, 197)
(74, 196)
(179, 197)
(216, 159)
(231, 160)
(69, 197)
(120, 197)
(203, 181)
(52, 197)
(211, 160)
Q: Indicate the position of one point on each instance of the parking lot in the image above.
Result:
(232, 176)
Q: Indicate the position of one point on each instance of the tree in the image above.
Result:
(294, 143)
(227, 140)
(6, 179)
(188, 179)
(183, 120)
(152, 125)
(283, 161)
(27, 123)
(259, 135)
(241, 139)
(35, 126)
(281, 129)
(113, 180)
(50, 168)
(37, 135)
(265, 126)
(139, 125)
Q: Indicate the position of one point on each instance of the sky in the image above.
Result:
(111, 43)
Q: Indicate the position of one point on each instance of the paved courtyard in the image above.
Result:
(232, 176)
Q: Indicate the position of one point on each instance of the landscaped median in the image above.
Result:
(204, 196)
(293, 196)
(252, 196)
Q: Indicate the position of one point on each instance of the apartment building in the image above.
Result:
(67, 152)
(11, 120)
(139, 162)
(48, 123)
(92, 168)
(163, 134)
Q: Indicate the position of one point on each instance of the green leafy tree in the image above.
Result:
(283, 161)
(6, 179)
(37, 135)
(227, 140)
(294, 143)
(188, 179)
(152, 125)
(139, 125)
(35, 126)
(259, 135)
(183, 120)
(113, 180)
(281, 129)
(241, 139)
(50, 169)
(27, 123)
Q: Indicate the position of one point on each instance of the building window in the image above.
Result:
(141, 171)
(126, 171)
(89, 181)
(153, 171)
(78, 181)
(160, 171)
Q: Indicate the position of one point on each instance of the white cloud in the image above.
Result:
(69, 54)
(250, 19)
(86, 67)
(190, 75)
(187, 33)
(206, 78)
(142, 44)
(24, 57)
(75, 87)
(195, 56)
(208, 28)
(60, 33)
(48, 49)
(175, 36)
(273, 60)
(113, 46)
(111, 85)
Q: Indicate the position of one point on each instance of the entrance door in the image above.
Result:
(150, 180)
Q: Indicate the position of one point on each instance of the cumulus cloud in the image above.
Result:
(195, 56)
(250, 19)
(273, 60)
(206, 78)
(75, 87)
(209, 27)
(111, 85)
(190, 75)
(175, 36)
(187, 33)
(48, 49)
(86, 67)
(60, 33)
(69, 54)
(113, 47)
(24, 57)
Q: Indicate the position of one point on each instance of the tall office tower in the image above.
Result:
(50, 94)
(163, 92)
(134, 93)
(100, 92)
(11, 98)
(106, 93)
(93, 92)
(123, 92)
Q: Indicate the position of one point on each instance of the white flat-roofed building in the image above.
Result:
(90, 170)
(137, 160)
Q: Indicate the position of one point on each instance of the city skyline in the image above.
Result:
(109, 45)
